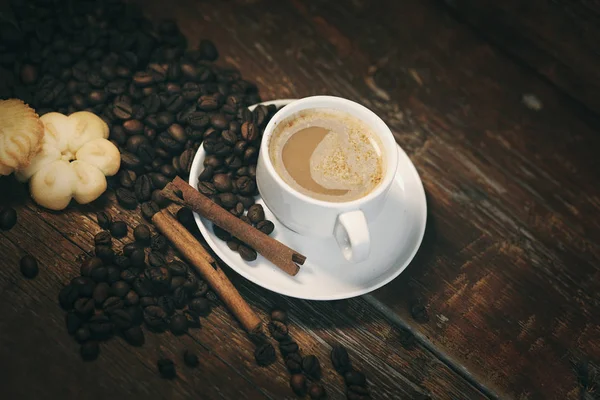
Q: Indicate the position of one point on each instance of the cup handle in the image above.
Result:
(352, 235)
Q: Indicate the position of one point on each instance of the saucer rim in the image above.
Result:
(209, 237)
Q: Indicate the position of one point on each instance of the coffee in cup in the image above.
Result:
(327, 154)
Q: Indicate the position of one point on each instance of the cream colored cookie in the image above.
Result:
(21, 134)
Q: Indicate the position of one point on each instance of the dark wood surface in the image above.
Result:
(509, 268)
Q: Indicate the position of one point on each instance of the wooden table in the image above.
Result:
(497, 106)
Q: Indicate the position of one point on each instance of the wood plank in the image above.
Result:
(557, 39)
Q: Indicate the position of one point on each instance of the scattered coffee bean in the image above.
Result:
(89, 351)
(105, 253)
(233, 244)
(293, 362)
(166, 368)
(155, 318)
(190, 359)
(265, 354)
(118, 229)
(288, 346)
(8, 218)
(298, 384)
(311, 367)
(104, 220)
(278, 330)
(126, 198)
(316, 391)
(340, 359)
(221, 233)
(279, 315)
(353, 377)
(29, 267)
(134, 336)
(103, 239)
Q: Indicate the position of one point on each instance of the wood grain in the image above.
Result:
(557, 39)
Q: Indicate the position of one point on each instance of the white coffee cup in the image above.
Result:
(346, 221)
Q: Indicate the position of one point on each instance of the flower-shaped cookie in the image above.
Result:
(74, 160)
(21, 135)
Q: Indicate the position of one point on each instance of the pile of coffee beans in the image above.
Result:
(305, 370)
(117, 293)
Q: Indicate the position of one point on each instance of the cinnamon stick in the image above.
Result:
(279, 254)
(204, 263)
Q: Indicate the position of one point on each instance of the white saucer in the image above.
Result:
(396, 235)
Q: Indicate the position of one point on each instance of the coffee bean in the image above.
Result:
(85, 285)
(103, 239)
(156, 259)
(8, 218)
(134, 142)
(245, 219)
(120, 289)
(265, 227)
(129, 248)
(245, 185)
(113, 274)
(117, 87)
(222, 183)
(419, 313)
(228, 200)
(100, 326)
(240, 147)
(126, 179)
(298, 384)
(213, 161)
(143, 79)
(159, 242)
(288, 346)
(160, 200)
(265, 355)
(138, 258)
(142, 233)
(200, 306)
(190, 359)
(256, 213)
(128, 276)
(357, 393)
(159, 277)
(84, 307)
(122, 110)
(155, 318)
(101, 293)
(340, 359)
(278, 330)
(353, 377)
(121, 319)
(221, 233)
(89, 351)
(201, 289)
(104, 220)
(82, 335)
(134, 336)
(246, 201)
(105, 253)
(178, 324)
(206, 188)
(180, 296)
(293, 362)
(159, 181)
(176, 282)
(118, 229)
(311, 367)
(112, 304)
(250, 155)
(186, 217)
(252, 171)
(238, 210)
(126, 198)
(191, 284)
(73, 321)
(316, 391)
(67, 296)
(247, 253)
(143, 188)
(177, 268)
(148, 209)
(29, 267)
(166, 368)
(147, 301)
(279, 315)
(122, 262)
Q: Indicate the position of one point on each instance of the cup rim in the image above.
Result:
(382, 130)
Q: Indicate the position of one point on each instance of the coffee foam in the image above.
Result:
(348, 158)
